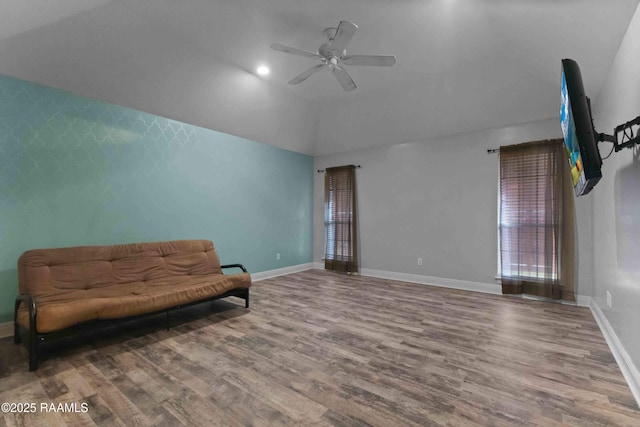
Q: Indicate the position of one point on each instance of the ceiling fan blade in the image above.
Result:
(375, 60)
(304, 76)
(292, 50)
(344, 79)
(345, 31)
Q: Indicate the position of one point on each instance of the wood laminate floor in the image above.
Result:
(321, 349)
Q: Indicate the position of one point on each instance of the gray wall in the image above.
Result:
(616, 199)
(434, 199)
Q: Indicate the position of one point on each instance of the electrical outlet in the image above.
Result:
(277, 257)
(608, 299)
(419, 261)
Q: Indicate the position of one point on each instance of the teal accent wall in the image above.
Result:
(76, 171)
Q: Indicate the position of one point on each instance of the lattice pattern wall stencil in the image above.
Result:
(76, 171)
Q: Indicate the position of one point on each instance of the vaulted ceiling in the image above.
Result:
(461, 64)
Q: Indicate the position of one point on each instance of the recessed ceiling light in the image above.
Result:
(262, 70)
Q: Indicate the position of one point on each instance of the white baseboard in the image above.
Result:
(6, 329)
(629, 370)
(487, 288)
(583, 301)
(263, 275)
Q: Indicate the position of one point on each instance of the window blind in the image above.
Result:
(341, 253)
(532, 199)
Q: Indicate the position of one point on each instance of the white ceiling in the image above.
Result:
(461, 64)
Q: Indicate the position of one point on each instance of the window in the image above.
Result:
(340, 220)
(531, 218)
(528, 218)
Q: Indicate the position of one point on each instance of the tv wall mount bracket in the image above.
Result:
(625, 135)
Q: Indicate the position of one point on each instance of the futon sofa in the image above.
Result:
(66, 290)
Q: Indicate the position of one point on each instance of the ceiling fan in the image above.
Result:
(334, 56)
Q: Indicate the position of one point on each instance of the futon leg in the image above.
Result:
(16, 333)
(33, 357)
(16, 327)
(33, 350)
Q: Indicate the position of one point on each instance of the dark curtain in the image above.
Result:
(536, 220)
(341, 247)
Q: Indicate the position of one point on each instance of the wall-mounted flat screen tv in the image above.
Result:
(579, 135)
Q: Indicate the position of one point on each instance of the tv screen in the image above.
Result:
(577, 128)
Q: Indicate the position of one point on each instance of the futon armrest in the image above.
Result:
(31, 306)
(240, 266)
(29, 302)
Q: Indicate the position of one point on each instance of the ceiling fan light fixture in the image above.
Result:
(333, 55)
(263, 70)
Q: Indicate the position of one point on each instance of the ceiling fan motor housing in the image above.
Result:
(326, 52)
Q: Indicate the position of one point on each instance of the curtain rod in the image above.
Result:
(493, 150)
(322, 170)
